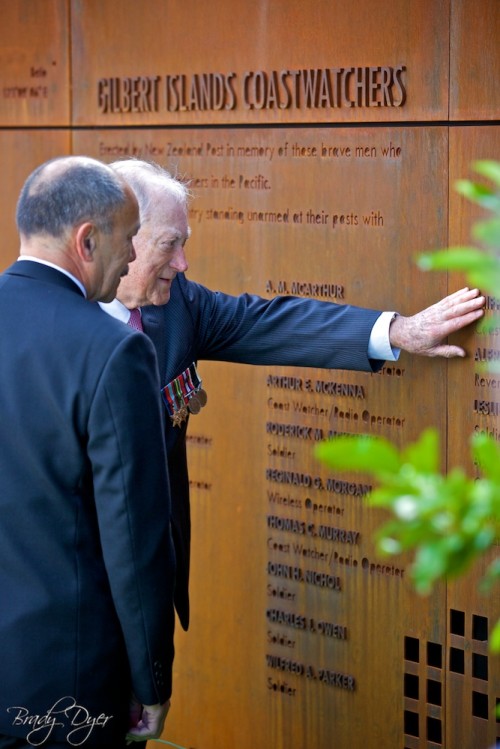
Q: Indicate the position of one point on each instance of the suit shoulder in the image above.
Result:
(184, 298)
(95, 330)
(182, 288)
(101, 323)
(192, 293)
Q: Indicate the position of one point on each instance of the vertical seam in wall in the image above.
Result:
(70, 72)
(445, 723)
(449, 57)
(448, 204)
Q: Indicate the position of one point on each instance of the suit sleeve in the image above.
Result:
(126, 449)
(284, 330)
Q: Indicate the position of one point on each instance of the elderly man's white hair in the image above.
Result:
(147, 179)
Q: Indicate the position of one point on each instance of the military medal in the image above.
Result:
(184, 395)
(196, 379)
(182, 411)
(175, 405)
(178, 418)
(194, 405)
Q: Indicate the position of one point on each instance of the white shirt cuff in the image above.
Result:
(379, 346)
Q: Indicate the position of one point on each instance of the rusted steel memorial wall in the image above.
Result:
(322, 142)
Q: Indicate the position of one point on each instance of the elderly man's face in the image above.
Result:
(159, 247)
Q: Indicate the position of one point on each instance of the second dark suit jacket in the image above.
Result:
(86, 558)
(199, 324)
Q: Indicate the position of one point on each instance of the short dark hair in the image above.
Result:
(58, 196)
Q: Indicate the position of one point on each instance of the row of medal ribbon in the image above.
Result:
(184, 395)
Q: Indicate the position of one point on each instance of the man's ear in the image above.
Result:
(85, 241)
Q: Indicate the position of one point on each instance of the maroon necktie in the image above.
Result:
(135, 319)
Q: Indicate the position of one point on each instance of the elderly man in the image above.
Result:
(86, 620)
(247, 329)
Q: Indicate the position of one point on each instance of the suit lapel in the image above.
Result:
(151, 322)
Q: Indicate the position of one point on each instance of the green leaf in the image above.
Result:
(457, 258)
(486, 452)
(492, 367)
(489, 169)
(495, 638)
(488, 325)
(423, 455)
(479, 194)
(359, 453)
(491, 577)
(429, 566)
(389, 546)
(483, 539)
(472, 190)
(488, 232)
(487, 281)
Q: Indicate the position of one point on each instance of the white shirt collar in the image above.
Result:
(116, 309)
(56, 267)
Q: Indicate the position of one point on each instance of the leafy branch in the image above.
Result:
(448, 519)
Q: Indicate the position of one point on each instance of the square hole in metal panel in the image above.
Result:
(433, 692)
(457, 622)
(480, 666)
(411, 686)
(457, 660)
(411, 723)
(434, 732)
(480, 705)
(434, 655)
(412, 649)
(479, 628)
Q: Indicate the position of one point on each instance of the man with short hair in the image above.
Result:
(187, 322)
(86, 586)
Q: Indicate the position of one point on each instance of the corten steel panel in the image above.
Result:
(286, 61)
(34, 64)
(22, 151)
(469, 383)
(475, 60)
(473, 672)
(355, 207)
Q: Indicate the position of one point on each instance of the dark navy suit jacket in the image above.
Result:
(199, 324)
(86, 555)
